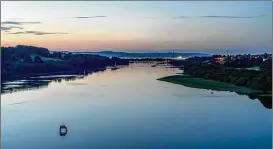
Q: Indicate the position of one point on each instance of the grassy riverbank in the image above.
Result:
(190, 81)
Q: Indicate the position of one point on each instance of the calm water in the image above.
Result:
(129, 109)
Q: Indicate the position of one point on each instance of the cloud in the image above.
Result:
(19, 23)
(37, 33)
(181, 17)
(8, 28)
(18, 33)
(90, 17)
(231, 17)
(224, 17)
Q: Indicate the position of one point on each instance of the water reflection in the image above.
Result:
(266, 100)
(129, 108)
(26, 85)
(36, 83)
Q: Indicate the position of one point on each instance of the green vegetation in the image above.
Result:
(257, 68)
(45, 58)
(246, 75)
(190, 81)
(24, 61)
(260, 80)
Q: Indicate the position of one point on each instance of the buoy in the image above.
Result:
(63, 130)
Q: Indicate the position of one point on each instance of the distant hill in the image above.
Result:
(143, 55)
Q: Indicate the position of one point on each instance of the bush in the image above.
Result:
(38, 60)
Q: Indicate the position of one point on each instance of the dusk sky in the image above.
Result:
(139, 26)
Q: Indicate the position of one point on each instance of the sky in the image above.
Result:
(208, 26)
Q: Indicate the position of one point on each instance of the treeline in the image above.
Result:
(244, 62)
(261, 80)
(190, 61)
(231, 70)
(22, 60)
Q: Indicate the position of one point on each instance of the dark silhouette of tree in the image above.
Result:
(32, 50)
(57, 55)
(67, 56)
(27, 58)
(38, 60)
(266, 65)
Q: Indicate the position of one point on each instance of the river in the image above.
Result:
(128, 108)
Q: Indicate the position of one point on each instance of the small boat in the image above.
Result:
(63, 130)
(211, 93)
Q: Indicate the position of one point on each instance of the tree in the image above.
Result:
(266, 65)
(38, 60)
(27, 58)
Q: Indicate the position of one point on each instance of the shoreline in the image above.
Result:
(27, 76)
(265, 97)
(200, 83)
